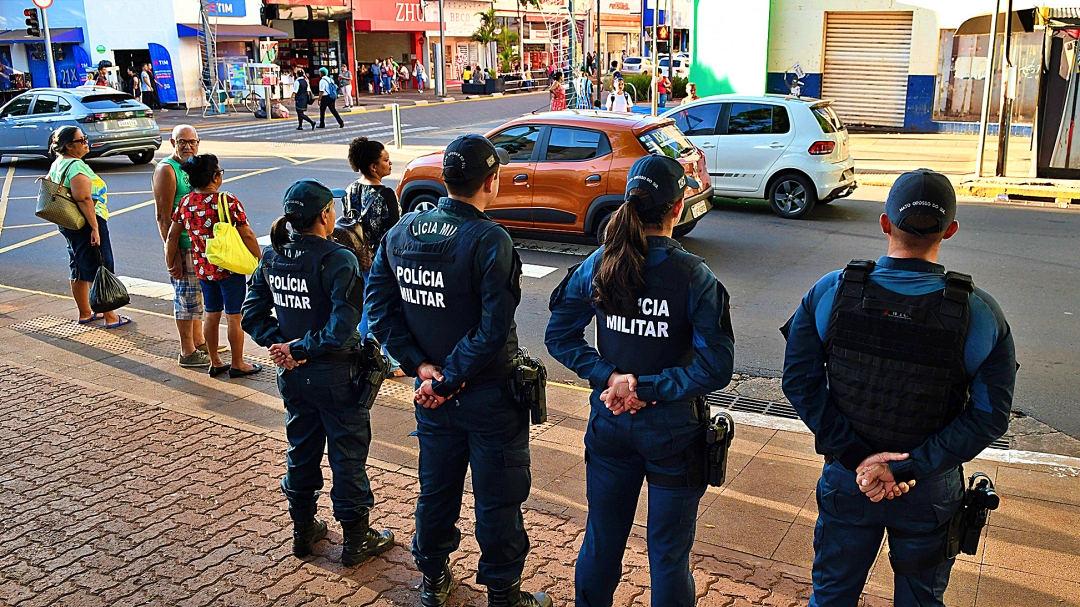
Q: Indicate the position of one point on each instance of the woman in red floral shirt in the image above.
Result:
(197, 213)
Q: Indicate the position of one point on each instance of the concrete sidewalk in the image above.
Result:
(129, 480)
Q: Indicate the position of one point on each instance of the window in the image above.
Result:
(827, 119)
(780, 122)
(18, 107)
(576, 144)
(961, 74)
(699, 119)
(668, 141)
(64, 105)
(750, 119)
(518, 142)
(46, 104)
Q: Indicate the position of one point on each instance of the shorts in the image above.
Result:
(84, 259)
(227, 294)
(187, 294)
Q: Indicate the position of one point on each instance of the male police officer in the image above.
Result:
(304, 303)
(442, 294)
(903, 371)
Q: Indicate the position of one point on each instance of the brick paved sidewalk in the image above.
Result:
(106, 500)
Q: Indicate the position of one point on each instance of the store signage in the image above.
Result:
(227, 8)
(409, 11)
(100, 49)
(460, 17)
(163, 73)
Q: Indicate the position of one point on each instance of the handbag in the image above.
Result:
(226, 249)
(55, 203)
(107, 293)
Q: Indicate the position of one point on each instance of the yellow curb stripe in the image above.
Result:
(68, 296)
(5, 192)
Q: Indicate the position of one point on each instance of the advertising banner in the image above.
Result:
(731, 46)
(163, 73)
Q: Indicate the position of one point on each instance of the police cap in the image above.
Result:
(470, 157)
(921, 193)
(307, 198)
(663, 177)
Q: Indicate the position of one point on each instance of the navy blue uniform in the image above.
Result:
(443, 289)
(314, 289)
(850, 527)
(680, 345)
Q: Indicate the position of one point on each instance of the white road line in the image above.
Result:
(4, 193)
(528, 269)
(147, 288)
(346, 133)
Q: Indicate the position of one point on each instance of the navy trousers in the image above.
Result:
(322, 411)
(483, 428)
(850, 528)
(618, 452)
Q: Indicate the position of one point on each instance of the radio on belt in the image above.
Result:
(529, 385)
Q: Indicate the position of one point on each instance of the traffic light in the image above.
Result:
(33, 25)
(662, 32)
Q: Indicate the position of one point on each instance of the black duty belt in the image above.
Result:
(339, 357)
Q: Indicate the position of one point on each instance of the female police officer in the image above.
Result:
(664, 338)
(314, 287)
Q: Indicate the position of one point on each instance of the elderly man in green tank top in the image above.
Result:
(170, 185)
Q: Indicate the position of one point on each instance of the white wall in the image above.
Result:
(128, 24)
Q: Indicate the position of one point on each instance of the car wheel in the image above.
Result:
(423, 202)
(684, 229)
(792, 196)
(142, 157)
(601, 228)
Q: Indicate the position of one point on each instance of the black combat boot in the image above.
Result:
(362, 542)
(434, 592)
(306, 535)
(512, 596)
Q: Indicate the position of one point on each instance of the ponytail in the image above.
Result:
(279, 231)
(620, 279)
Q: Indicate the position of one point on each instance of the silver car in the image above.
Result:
(114, 121)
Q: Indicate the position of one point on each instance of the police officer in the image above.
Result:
(443, 290)
(663, 337)
(313, 286)
(903, 372)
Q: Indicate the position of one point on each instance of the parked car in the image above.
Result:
(636, 65)
(682, 67)
(114, 121)
(568, 170)
(791, 151)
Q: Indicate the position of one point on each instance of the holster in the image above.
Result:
(529, 385)
(705, 458)
(372, 367)
(718, 436)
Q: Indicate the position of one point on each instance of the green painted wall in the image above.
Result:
(731, 46)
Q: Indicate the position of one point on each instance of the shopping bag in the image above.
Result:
(107, 293)
(56, 205)
(226, 249)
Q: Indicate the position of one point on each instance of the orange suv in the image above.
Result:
(568, 169)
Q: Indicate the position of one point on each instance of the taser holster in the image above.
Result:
(372, 368)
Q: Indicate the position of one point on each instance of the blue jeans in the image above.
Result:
(618, 451)
(850, 528)
(322, 410)
(663, 100)
(485, 429)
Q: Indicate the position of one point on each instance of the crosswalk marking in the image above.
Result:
(288, 131)
(528, 269)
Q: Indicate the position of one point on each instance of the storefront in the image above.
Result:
(620, 29)
(317, 34)
(461, 19)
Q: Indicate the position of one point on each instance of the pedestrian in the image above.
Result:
(376, 77)
(89, 247)
(404, 76)
(371, 204)
(101, 78)
(615, 73)
(170, 185)
(691, 93)
(132, 84)
(444, 288)
(558, 93)
(345, 78)
(146, 84)
(583, 91)
(648, 415)
(328, 94)
(222, 290)
(311, 333)
(589, 64)
(421, 76)
(620, 100)
(286, 82)
(663, 87)
(466, 76)
(302, 98)
(388, 77)
(363, 78)
(903, 372)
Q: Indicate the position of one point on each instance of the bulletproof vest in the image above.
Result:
(440, 296)
(660, 335)
(295, 279)
(896, 362)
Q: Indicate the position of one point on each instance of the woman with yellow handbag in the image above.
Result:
(224, 249)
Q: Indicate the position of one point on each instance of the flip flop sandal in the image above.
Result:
(94, 318)
(124, 320)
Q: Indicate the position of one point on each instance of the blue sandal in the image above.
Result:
(123, 321)
(94, 318)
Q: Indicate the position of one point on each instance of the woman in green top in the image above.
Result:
(88, 248)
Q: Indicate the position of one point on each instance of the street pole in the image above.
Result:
(1005, 113)
(442, 61)
(984, 120)
(596, 60)
(655, 61)
(669, 20)
(48, 47)
(573, 38)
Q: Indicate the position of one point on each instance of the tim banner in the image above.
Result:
(163, 73)
(226, 8)
(737, 60)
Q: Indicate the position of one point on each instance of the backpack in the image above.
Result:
(332, 89)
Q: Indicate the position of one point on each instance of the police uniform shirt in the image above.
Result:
(340, 270)
(713, 340)
(496, 275)
(989, 358)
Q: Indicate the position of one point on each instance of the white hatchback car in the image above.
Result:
(636, 65)
(791, 151)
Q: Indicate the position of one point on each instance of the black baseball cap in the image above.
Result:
(469, 157)
(307, 198)
(922, 193)
(662, 176)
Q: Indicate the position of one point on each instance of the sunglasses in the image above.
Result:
(82, 140)
(220, 172)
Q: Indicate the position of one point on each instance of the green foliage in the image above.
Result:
(507, 43)
(678, 87)
(527, 3)
(486, 32)
(642, 85)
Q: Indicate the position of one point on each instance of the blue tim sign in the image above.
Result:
(227, 8)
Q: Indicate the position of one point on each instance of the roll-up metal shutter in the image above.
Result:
(867, 55)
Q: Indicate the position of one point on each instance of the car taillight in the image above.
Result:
(820, 148)
(89, 118)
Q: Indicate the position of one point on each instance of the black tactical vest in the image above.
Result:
(295, 280)
(440, 296)
(896, 362)
(661, 334)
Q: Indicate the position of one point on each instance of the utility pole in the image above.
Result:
(1008, 76)
(988, 86)
(655, 61)
(669, 20)
(596, 59)
(441, 92)
(573, 38)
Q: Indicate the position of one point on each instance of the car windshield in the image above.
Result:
(827, 118)
(114, 101)
(667, 140)
(630, 60)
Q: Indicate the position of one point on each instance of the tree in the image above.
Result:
(485, 34)
(507, 44)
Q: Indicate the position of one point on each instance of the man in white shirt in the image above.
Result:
(619, 101)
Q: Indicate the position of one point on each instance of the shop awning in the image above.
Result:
(1022, 21)
(59, 35)
(386, 25)
(190, 30)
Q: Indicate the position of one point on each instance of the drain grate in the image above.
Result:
(1004, 443)
(747, 404)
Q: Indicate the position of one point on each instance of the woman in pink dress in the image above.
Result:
(558, 93)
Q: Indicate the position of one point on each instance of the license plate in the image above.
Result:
(127, 123)
(699, 209)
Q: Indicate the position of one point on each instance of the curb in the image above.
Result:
(1046, 196)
